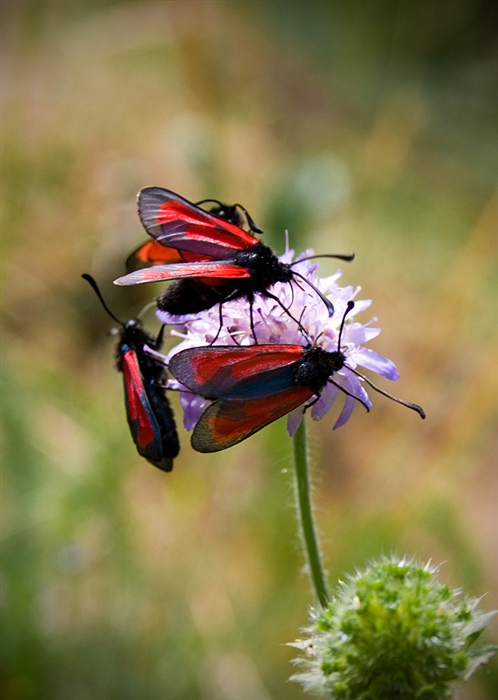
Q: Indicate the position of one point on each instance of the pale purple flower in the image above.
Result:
(273, 325)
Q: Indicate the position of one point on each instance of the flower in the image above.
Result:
(301, 318)
(392, 631)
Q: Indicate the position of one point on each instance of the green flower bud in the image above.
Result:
(392, 632)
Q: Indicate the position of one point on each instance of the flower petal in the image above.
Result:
(294, 420)
(346, 412)
(193, 406)
(377, 363)
(324, 403)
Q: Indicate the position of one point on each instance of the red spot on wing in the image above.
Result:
(143, 425)
(154, 253)
(211, 371)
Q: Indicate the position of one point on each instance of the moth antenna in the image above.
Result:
(214, 201)
(348, 257)
(327, 302)
(408, 404)
(348, 393)
(250, 220)
(349, 306)
(97, 291)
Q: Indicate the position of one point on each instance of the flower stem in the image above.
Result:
(305, 515)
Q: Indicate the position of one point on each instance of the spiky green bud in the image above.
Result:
(392, 632)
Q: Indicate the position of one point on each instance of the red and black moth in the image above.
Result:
(150, 417)
(250, 387)
(210, 257)
(253, 386)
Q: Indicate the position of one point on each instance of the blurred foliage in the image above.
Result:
(357, 125)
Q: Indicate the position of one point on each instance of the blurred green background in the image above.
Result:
(358, 126)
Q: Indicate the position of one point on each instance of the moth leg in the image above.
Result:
(312, 403)
(251, 318)
(219, 327)
(299, 325)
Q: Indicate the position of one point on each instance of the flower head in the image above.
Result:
(300, 318)
(392, 631)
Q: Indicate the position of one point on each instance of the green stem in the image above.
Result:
(305, 514)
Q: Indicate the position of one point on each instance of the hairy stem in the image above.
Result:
(305, 515)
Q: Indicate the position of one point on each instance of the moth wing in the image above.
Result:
(141, 419)
(233, 372)
(163, 273)
(225, 423)
(178, 223)
(153, 253)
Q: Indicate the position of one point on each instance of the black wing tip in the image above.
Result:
(165, 464)
(205, 445)
(142, 193)
(152, 188)
(150, 194)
